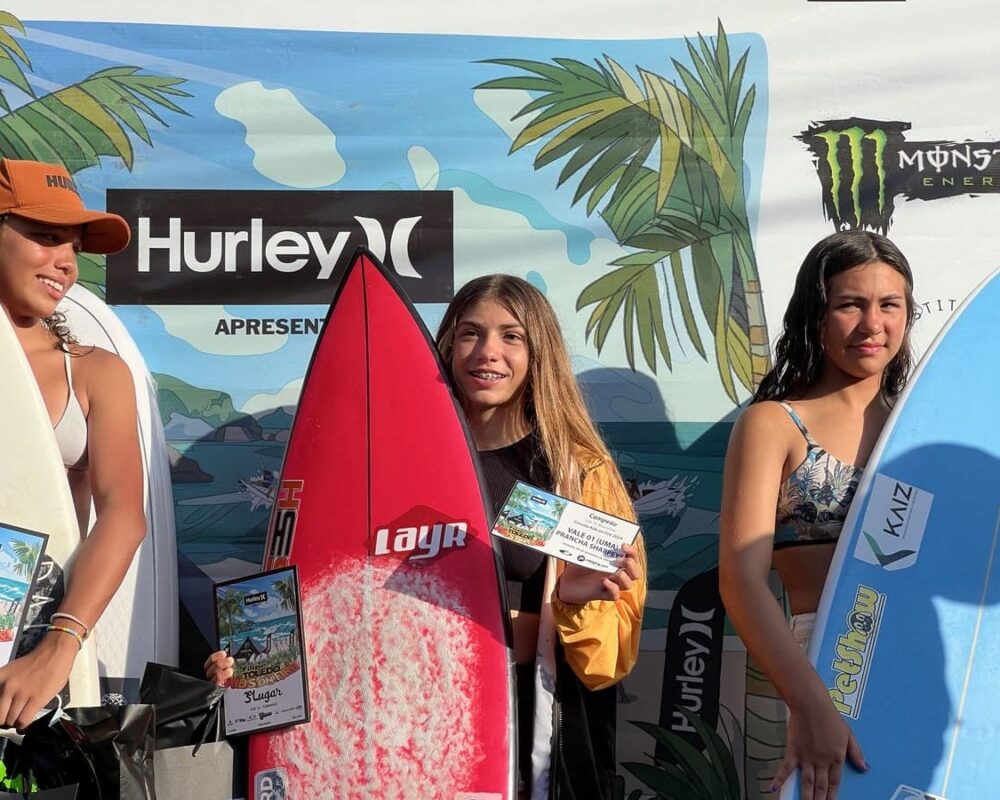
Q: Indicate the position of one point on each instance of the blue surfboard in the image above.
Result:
(907, 637)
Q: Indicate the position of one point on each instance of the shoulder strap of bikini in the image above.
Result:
(798, 423)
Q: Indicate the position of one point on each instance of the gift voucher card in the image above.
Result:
(20, 557)
(559, 527)
(259, 625)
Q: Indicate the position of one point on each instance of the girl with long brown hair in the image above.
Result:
(576, 631)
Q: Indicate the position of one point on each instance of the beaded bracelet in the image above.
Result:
(71, 618)
(70, 631)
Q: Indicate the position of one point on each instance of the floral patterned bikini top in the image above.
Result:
(813, 502)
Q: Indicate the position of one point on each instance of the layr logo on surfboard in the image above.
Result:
(208, 247)
(894, 524)
(419, 542)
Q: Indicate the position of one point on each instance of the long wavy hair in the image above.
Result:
(55, 323)
(798, 360)
(554, 406)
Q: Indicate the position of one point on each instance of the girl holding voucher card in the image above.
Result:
(576, 631)
(794, 461)
(90, 399)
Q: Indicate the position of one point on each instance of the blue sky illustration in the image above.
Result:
(268, 609)
(381, 94)
(7, 559)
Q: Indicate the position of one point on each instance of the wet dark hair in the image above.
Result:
(798, 359)
(58, 327)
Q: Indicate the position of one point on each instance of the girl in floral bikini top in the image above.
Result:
(792, 469)
(814, 500)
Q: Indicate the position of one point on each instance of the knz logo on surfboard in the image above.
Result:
(855, 650)
(894, 523)
(281, 532)
(419, 542)
(210, 247)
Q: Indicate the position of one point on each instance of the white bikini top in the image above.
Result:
(71, 429)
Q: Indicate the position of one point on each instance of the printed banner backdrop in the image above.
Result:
(659, 171)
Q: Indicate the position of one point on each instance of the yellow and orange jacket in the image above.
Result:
(600, 639)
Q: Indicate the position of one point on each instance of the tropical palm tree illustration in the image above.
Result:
(230, 611)
(286, 592)
(686, 771)
(664, 165)
(26, 555)
(77, 125)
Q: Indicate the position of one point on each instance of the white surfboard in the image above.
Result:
(907, 636)
(140, 624)
(34, 494)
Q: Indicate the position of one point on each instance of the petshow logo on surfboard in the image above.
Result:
(865, 164)
(894, 524)
(248, 247)
(855, 651)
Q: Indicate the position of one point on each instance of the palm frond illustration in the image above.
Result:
(77, 125)
(664, 166)
(230, 606)
(26, 555)
(286, 593)
(688, 773)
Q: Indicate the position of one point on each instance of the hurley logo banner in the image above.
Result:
(275, 247)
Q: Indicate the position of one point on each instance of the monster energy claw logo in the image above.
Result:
(864, 164)
(852, 157)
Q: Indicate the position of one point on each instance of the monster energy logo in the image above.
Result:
(864, 165)
(853, 158)
(855, 138)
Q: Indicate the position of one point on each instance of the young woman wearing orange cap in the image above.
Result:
(89, 395)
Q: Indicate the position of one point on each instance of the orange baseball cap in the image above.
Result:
(46, 193)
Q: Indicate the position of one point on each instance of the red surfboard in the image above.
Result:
(381, 508)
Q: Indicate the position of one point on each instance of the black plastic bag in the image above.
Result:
(188, 710)
(192, 757)
(108, 751)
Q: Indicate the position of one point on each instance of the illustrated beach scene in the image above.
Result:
(530, 515)
(259, 627)
(20, 552)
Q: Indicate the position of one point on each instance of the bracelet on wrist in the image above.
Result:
(69, 631)
(77, 620)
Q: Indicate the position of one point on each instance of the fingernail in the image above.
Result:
(774, 788)
(867, 766)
